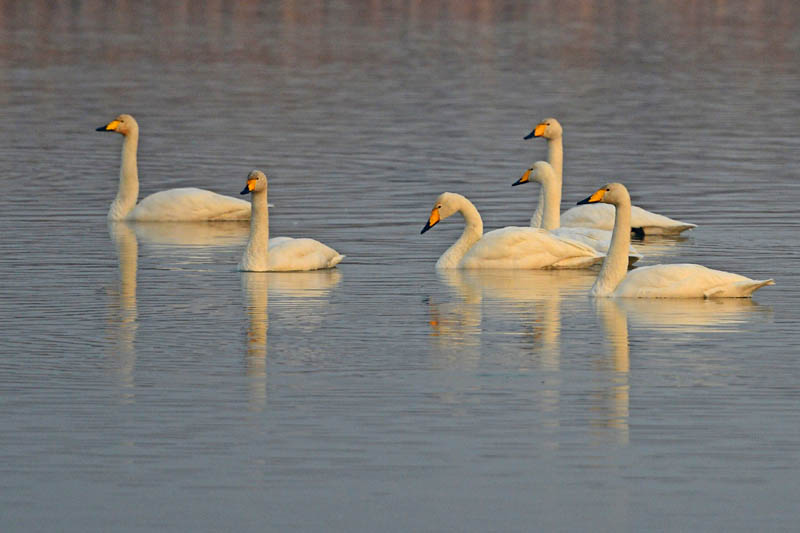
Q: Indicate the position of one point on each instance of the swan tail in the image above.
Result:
(740, 289)
(336, 260)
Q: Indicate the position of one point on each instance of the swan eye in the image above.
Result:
(548, 123)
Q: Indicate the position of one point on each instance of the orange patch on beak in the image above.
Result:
(597, 196)
(434, 218)
(539, 131)
(111, 126)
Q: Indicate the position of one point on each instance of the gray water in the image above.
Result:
(145, 384)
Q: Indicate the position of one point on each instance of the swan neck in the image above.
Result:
(615, 265)
(255, 254)
(550, 199)
(538, 214)
(473, 231)
(259, 221)
(128, 191)
(555, 156)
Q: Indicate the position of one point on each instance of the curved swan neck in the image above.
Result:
(128, 191)
(550, 199)
(615, 265)
(473, 231)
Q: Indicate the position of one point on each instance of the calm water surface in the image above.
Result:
(146, 385)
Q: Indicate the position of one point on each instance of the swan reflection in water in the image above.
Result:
(190, 243)
(301, 294)
(122, 308)
(655, 247)
(678, 316)
(123, 315)
(484, 296)
(611, 404)
(231, 233)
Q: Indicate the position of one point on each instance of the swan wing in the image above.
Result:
(274, 241)
(599, 239)
(190, 204)
(288, 254)
(601, 216)
(528, 248)
(686, 281)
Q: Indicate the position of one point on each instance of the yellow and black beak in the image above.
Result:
(251, 184)
(593, 199)
(111, 126)
(526, 178)
(538, 131)
(432, 220)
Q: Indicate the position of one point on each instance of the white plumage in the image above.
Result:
(595, 216)
(686, 281)
(658, 281)
(263, 254)
(510, 247)
(188, 204)
(550, 203)
(601, 216)
(183, 204)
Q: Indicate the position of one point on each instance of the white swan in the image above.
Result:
(184, 204)
(263, 254)
(598, 216)
(511, 247)
(657, 281)
(543, 173)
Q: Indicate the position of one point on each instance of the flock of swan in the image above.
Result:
(597, 230)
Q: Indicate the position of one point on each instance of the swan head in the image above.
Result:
(540, 172)
(256, 182)
(123, 124)
(446, 204)
(611, 193)
(549, 128)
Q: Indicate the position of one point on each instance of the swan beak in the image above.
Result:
(432, 221)
(111, 126)
(593, 199)
(538, 131)
(526, 178)
(251, 184)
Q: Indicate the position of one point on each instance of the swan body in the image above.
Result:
(543, 173)
(511, 247)
(183, 204)
(657, 281)
(263, 254)
(643, 222)
(686, 281)
(601, 216)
